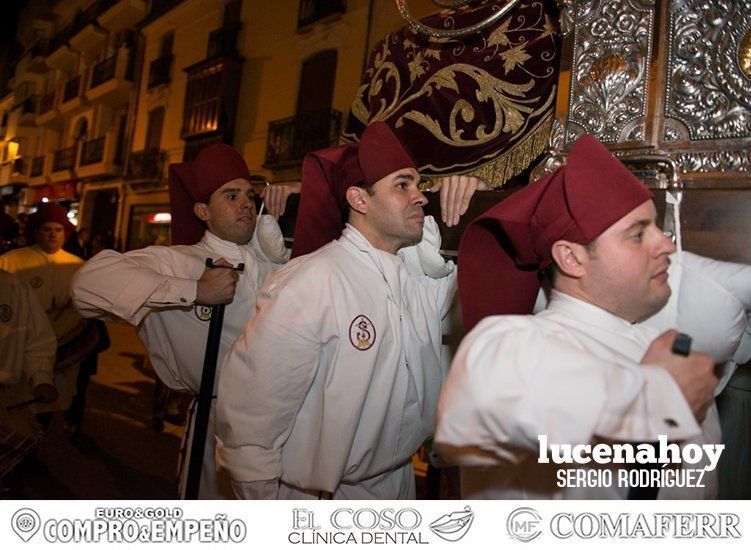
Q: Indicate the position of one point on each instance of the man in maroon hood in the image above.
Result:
(585, 369)
(333, 386)
(168, 291)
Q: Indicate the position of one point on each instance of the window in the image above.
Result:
(154, 129)
(315, 10)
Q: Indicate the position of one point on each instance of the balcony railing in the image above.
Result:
(81, 20)
(145, 165)
(37, 167)
(19, 166)
(313, 10)
(64, 159)
(159, 71)
(30, 105)
(61, 37)
(92, 151)
(223, 41)
(47, 103)
(72, 89)
(103, 71)
(290, 139)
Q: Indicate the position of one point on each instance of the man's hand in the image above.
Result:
(47, 392)
(693, 374)
(275, 196)
(456, 192)
(217, 284)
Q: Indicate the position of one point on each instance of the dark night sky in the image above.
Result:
(9, 19)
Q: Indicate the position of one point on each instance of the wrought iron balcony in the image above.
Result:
(37, 167)
(80, 21)
(30, 105)
(159, 71)
(61, 38)
(103, 71)
(92, 151)
(72, 88)
(290, 139)
(159, 8)
(64, 159)
(314, 10)
(47, 103)
(145, 165)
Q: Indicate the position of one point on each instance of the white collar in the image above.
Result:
(579, 312)
(389, 265)
(227, 249)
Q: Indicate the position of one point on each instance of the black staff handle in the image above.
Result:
(205, 395)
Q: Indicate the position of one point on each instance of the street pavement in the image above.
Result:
(116, 455)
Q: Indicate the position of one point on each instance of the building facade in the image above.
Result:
(108, 93)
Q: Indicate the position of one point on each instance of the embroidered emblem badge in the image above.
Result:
(6, 313)
(362, 333)
(36, 282)
(203, 312)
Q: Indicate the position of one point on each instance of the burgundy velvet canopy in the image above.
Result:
(483, 105)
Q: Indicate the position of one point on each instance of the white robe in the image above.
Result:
(49, 276)
(155, 289)
(571, 372)
(335, 382)
(27, 341)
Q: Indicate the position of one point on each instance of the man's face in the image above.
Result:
(50, 237)
(230, 213)
(395, 215)
(626, 269)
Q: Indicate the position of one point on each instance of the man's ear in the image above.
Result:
(570, 258)
(356, 197)
(201, 210)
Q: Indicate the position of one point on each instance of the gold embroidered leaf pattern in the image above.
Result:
(435, 53)
(550, 28)
(458, 97)
(510, 114)
(415, 67)
(359, 110)
(499, 37)
(515, 55)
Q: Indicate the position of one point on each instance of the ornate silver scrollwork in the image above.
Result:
(709, 69)
(715, 161)
(610, 69)
(554, 155)
(566, 20)
(433, 32)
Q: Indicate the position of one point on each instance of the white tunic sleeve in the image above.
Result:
(265, 378)
(129, 285)
(510, 382)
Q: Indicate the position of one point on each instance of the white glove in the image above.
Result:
(268, 240)
(424, 258)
